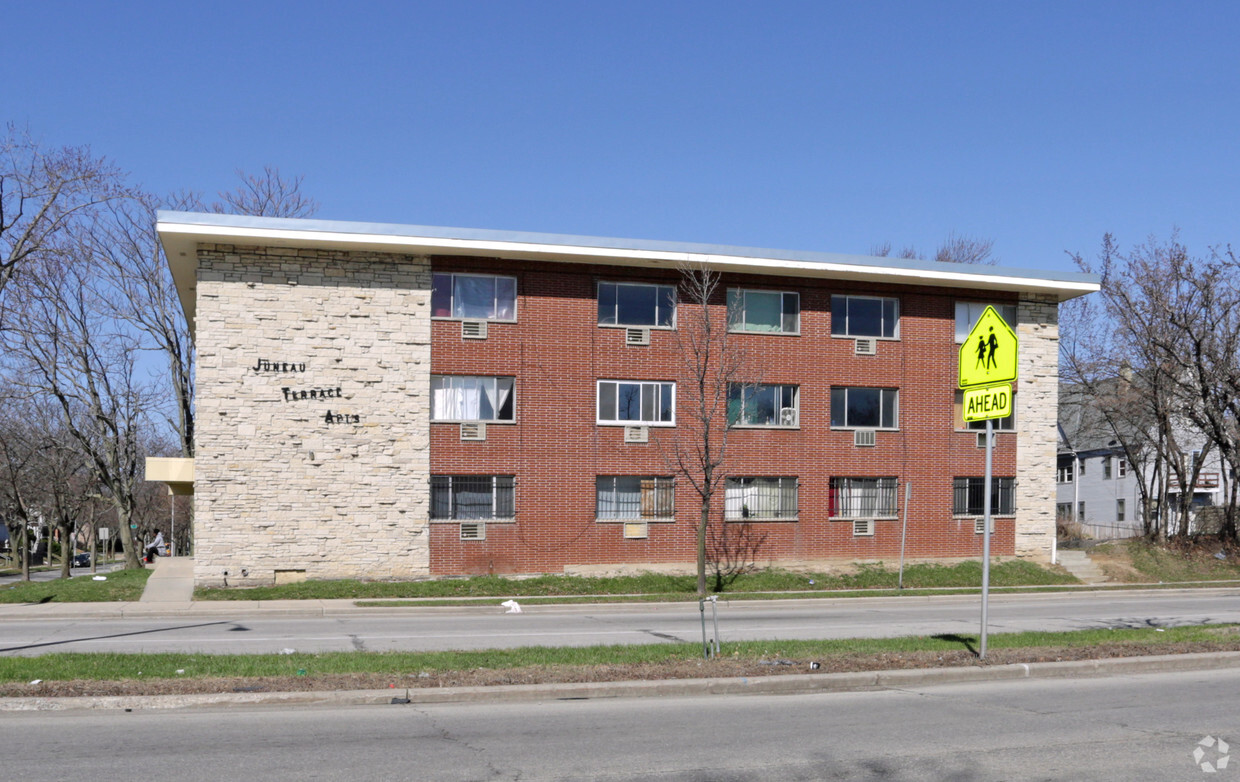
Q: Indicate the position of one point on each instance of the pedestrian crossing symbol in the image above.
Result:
(988, 355)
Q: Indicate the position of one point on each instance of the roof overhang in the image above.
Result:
(182, 232)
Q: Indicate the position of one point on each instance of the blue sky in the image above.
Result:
(811, 126)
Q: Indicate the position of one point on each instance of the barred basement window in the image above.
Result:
(969, 496)
(760, 498)
(853, 498)
(634, 497)
(473, 497)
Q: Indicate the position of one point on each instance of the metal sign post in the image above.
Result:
(987, 365)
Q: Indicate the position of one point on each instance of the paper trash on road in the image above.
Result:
(99, 578)
(512, 605)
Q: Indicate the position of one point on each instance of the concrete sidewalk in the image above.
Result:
(172, 583)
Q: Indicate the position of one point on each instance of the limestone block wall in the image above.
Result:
(1037, 402)
(312, 443)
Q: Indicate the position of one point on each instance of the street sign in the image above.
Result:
(988, 354)
(986, 402)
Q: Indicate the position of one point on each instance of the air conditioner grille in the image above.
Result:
(473, 329)
(473, 530)
(636, 434)
(866, 347)
(637, 336)
(863, 527)
(864, 438)
(636, 529)
(474, 430)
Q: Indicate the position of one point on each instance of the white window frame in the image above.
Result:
(884, 488)
(1122, 470)
(743, 388)
(847, 333)
(849, 425)
(1121, 510)
(495, 380)
(1066, 473)
(968, 312)
(741, 483)
(737, 298)
(664, 488)
(598, 299)
(452, 296)
(658, 386)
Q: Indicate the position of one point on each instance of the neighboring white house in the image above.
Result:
(1098, 487)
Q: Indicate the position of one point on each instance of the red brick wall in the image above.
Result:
(557, 351)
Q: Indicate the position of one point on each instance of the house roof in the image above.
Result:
(181, 232)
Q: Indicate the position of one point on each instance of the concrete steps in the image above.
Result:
(1079, 564)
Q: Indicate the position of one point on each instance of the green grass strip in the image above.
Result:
(871, 576)
(115, 667)
(119, 586)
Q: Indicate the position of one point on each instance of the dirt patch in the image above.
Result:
(1229, 641)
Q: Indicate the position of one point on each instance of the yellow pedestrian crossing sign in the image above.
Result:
(988, 355)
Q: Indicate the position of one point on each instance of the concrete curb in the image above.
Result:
(790, 684)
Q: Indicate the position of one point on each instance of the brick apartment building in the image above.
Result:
(382, 401)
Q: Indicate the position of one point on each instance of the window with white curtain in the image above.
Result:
(468, 398)
(854, 498)
(473, 297)
(755, 499)
(634, 497)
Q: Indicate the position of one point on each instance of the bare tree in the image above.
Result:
(711, 362)
(956, 248)
(42, 192)
(267, 195)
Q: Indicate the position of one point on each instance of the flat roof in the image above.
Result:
(182, 232)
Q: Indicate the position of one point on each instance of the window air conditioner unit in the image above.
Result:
(863, 528)
(473, 329)
(636, 530)
(981, 439)
(637, 434)
(866, 347)
(979, 525)
(473, 530)
(863, 437)
(637, 336)
(787, 416)
(474, 430)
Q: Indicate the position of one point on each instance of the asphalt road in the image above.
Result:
(1117, 728)
(220, 628)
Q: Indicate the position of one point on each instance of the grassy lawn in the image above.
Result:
(1141, 561)
(121, 586)
(124, 667)
(656, 586)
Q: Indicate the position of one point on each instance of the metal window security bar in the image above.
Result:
(863, 497)
(760, 498)
(463, 497)
(634, 497)
(969, 496)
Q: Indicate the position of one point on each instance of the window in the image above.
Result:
(763, 405)
(1123, 468)
(864, 408)
(636, 402)
(1080, 511)
(633, 497)
(969, 496)
(853, 498)
(771, 312)
(1119, 510)
(864, 316)
(1063, 511)
(1106, 468)
(1081, 471)
(1063, 474)
(473, 297)
(967, 313)
(636, 304)
(1007, 424)
(463, 398)
(760, 498)
(472, 497)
